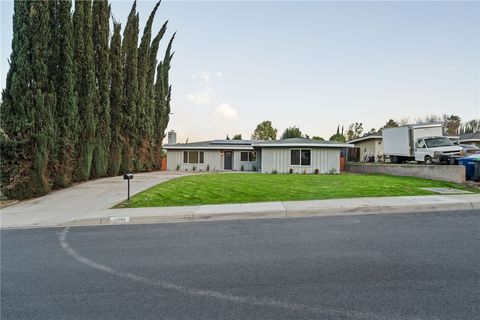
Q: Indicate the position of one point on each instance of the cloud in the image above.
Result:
(205, 75)
(203, 97)
(225, 111)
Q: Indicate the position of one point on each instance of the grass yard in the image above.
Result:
(218, 188)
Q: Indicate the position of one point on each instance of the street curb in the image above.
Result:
(269, 214)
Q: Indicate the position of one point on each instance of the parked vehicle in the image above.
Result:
(421, 143)
(470, 149)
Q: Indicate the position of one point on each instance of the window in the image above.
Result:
(193, 157)
(295, 157)
(300, 157)
(244, 156)
(305, 157)
(248, 156)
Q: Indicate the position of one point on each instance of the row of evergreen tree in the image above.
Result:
(80, 102)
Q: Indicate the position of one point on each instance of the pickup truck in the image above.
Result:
(436, 149)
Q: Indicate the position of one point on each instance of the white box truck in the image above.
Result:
(420, 142)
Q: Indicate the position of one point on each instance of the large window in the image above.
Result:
(300, 157)
(193, 157)
(248, 156)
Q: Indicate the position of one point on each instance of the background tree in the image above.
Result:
(470, 126)
(338, 136)
(265, 131)
(237, 137)
(390, 124)
(101, 25)
(227, 137)
(432, 118)
(318, 138)
(452, 124)
(354, 131)
(85, 86)
(116, 101)
(292, 132)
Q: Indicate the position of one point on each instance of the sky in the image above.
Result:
(312, 64)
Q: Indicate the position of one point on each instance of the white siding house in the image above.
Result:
(279, 159)
(297, 155)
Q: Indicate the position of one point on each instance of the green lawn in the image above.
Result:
(217, 188)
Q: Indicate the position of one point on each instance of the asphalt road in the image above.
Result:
(399, 266)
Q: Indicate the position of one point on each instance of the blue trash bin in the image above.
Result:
(469, 163)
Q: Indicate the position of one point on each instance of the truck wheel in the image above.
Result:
(428, 160)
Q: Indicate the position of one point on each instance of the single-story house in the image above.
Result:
(299, 155)
(369, 145)
(470, 138)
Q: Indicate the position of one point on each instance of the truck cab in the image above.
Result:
(435, 149)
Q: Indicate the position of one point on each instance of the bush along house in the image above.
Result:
(296, 155)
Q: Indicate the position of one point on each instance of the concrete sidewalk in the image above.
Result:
(355, 206)
(82, 200)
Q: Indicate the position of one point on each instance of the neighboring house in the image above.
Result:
(470, 138)
(369, 145)
(299, 154)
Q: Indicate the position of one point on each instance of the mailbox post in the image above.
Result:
(128, 177)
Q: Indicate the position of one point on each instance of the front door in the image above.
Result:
(228, 160)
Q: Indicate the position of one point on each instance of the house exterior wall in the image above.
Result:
(211, 158)
(369, 148)
(323, 159)
(247, 165)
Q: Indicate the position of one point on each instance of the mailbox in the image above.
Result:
(128, 176)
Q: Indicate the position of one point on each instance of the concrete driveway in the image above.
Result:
(79, 201)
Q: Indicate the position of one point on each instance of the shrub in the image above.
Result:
(242, 168)
(254, 168)
(317, 171)
(274, 171)
(290, 170)
(304, 171)
(194, 168)
(332, 171)
(178, 167)
(208, 167)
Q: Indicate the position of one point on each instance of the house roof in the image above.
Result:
(250, 144)
(300, 142)
(213, 145)
(473, 136)
(368, 136)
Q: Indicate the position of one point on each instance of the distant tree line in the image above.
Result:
(452, 124)
(81, 102)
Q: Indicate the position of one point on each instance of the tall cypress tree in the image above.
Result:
(163, 92)
(85, 85)
(62, 75)
(150, 91)
(101, 15)
(42, 95)
(130, 79)
(144, 123)
(116, 101)
(17, 114)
